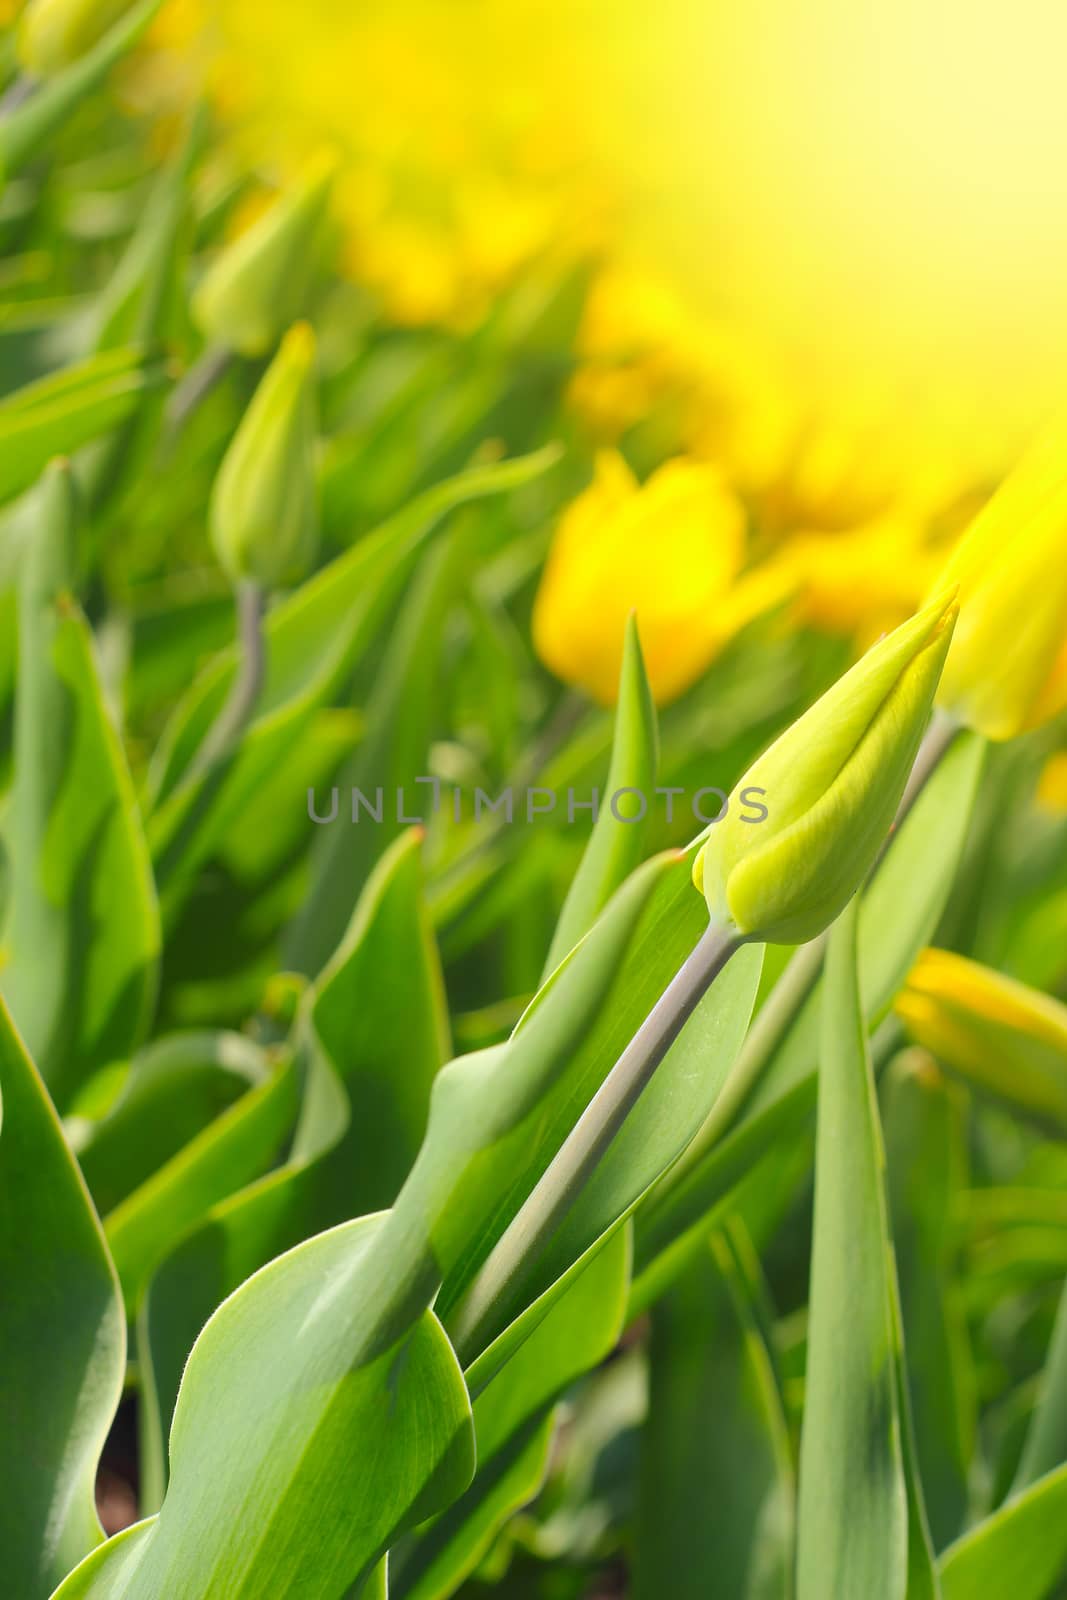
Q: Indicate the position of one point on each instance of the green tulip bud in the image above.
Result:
(54, 33)
(264, 506)
(257, 285)
(831, 785)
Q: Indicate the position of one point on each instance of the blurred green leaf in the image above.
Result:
(314, 641)
(1045, 1446)
(715, 1500)
(83, 930)
(57, 415)
(26, 131)
(62, 1339)
(1019, 1553)
(384, 768)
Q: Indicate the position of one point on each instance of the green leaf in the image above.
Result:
(383, 1026)
(853, 1522)
(513, 1427)
(232, 1150)
(716, 1478)
(296, 1451)
(770, 1096)
(83, 930)
(57, 415)
(26, 130)
(171, 1091)
(1019, 1553)
(617, 842)
(393, 754)
(314, 641)
(373, 1032)
(62, 1338)
(668, 1111)
(924, 1133)
(1045, 1446)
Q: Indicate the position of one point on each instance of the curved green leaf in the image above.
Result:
(62, 1338)
(373, 1034)
(1019, 1553)
(232, 1150)
(296, 1452)
(57, 415)
(853, 1534)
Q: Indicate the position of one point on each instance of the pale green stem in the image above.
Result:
(509, 1265)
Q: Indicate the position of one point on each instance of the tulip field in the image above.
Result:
(533, 846)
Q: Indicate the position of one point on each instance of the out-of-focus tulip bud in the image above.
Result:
(258, 284)
(1007, 669)
(54, 33)
(669, 550)
(264, 508)
(998, 1034)
(830, 786)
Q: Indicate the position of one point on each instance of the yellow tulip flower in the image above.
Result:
(999, 1034)
(669, 550)
(1007, 669)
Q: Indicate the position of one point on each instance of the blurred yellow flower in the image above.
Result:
(999, 1034)
(1052, 784)
(1007, 669)
(669, 550)
(861, 581)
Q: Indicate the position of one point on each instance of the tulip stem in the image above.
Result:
(512, 1262)
(799, 977)
(203, 376)
(244, 694)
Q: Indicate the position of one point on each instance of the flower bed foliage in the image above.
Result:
(532, 1062)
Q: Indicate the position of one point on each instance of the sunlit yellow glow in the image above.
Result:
(876, 192)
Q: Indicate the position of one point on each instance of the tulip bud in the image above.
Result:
(264, 508)
(830, 785)
(1000, 1035)
(54, 33)
(1007, 668)
(257, 285)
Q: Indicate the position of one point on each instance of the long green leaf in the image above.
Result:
(62, 1338)
(618, 838)
(314, 641)
(716, 1479)
(386, 765)
(57, 415)
(853, 1533)
(900, 910)
(373, 1034)
(83, 930)
(924, 1133)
